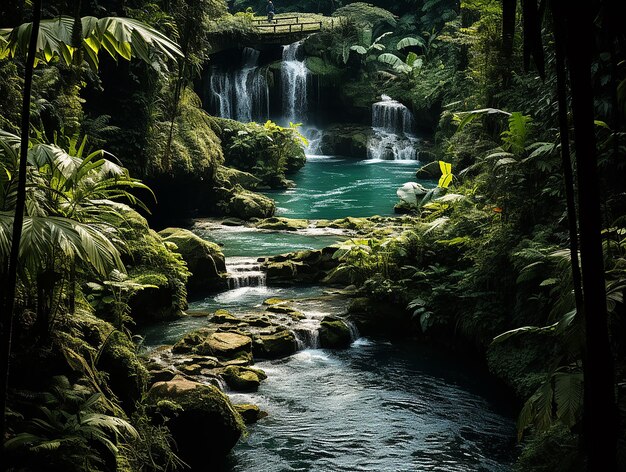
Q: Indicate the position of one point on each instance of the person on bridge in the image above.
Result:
(270, 11)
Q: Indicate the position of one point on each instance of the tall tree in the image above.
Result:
(46, 40)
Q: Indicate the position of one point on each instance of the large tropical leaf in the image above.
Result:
(120, 37)
(392, 60)
(409, 42)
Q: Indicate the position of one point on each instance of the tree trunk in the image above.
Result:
(8, 303)
(600, 412)
(566, 160)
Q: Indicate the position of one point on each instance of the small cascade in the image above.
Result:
(314, 137)
(393, 132)
(354, 332)
(307, 336)
(244, 272)
(294, 84)
(240, 94)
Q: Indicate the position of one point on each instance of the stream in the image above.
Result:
(376, 406)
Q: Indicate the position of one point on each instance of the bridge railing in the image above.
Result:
(278, 25)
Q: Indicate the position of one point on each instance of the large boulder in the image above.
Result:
(245, 205)
(204, 259)
(334, 333)
(203, 422)
(348, 140)
(274, 346)
(227, 346)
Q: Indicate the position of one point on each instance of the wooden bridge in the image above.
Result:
(293, 24)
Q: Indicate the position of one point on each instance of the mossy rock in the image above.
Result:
(250, 413)
(246, 205)
(242, 379)
(274, 346)
(274, 301)
(349, 140)
(229, 177)
(190, 341)
(281, 271)
(202, 421)
(227, 346)
(352, 223)
(334, 333)
(204, 259)
(223, 316)
(282, 224)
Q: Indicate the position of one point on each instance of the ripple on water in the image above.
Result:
(375, 407)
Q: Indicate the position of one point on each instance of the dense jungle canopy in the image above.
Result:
(316, 235)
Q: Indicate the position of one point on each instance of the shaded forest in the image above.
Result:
(157, 156)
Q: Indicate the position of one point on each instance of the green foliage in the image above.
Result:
(195, 151)
(267, 151)
(69, 428)
(120, 37)
(367, 15)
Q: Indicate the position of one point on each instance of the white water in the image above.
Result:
(393, 135)
(240, 94)
(244, 272)
(294, 85)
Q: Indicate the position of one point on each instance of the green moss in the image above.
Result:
(195, 150)
(319, 66)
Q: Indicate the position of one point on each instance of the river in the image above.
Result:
(377, 406)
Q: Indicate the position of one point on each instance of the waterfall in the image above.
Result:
(393, 132)
(244, 272)
(294, 81)
(240, 94)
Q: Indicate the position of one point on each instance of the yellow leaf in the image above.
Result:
(445, 181)
(446, 167)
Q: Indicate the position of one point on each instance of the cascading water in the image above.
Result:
(393, 132)
(294, 85)
(244, 272)
(240, 94)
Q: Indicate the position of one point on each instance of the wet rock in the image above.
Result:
(162, 375)
(186, 405)
(274, 346)
(190, 341)
(190, 369)
(347, 140)
(281, 271)
(242, 379)
(334, 333)
(282, 224)
(227, 346)
(250, 413)
(223, 316)
(204, 259)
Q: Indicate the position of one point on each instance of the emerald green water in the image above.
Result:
(335, 187)
(241, 241)
(375, 407)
